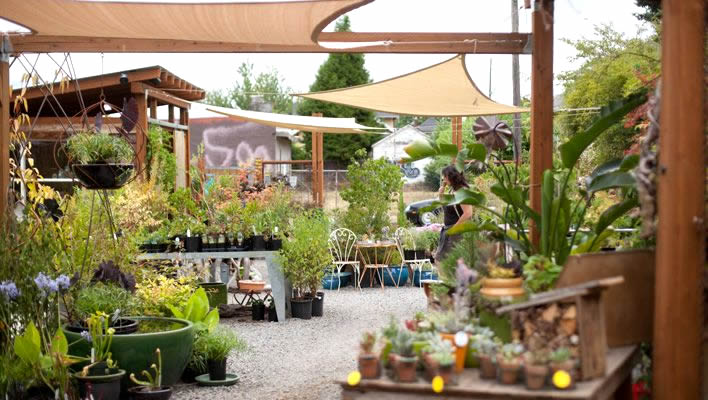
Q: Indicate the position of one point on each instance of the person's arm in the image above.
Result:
(441, 191)
(466, 214)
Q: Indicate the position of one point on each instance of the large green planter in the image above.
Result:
(135, 352)
(216, 293)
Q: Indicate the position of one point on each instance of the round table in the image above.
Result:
(368, 253)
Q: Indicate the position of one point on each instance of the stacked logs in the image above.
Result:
(548, 326)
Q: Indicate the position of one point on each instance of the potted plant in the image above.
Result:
(561, 360)
(258, 240)
(100, 379)
(106, 298)
(446, 366)
(536, 368)
(487, 349)
(509, 362)
(406, 359)
(439, 358)
(368, 361)
(448, 325)
(501, 281)
(276, 242)
(217, 345)
(257, 310)
(272, 313)
(100, 160)
(151, 388)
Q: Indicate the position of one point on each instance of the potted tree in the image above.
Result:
(217, 345)
(100, 160)
(509, 361)
(151, 388)
(536, 368)
(100, 379)
(368, 361)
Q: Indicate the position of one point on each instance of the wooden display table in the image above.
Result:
(615, 385)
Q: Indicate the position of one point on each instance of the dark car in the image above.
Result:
(422, 218)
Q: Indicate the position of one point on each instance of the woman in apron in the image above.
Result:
(452, 180)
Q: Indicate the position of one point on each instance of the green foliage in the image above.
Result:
(106, 298)
(305, 254)
(466, 249)
(403, 343)
(161, 158)
(101, 338)
(561, 354)
(341, 70)
(540, 273)
(219, 343)
(197, 311)
(90, 147)
(270, 85)
(373, 185)
(151, 382)
(432, 172)
(401, 219)
(155, 294)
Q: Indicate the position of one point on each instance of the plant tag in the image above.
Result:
(461, 339)
(188, 233)
(93, 355)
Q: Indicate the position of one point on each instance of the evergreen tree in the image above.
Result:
(341, 70)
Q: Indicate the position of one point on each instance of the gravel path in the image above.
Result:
(300, 359)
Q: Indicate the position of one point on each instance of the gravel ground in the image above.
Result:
(300, 359)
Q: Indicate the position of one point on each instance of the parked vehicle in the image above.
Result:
(415, 216)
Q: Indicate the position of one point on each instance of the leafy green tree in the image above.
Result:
(339, 71)
(269, 84)
(612, 67)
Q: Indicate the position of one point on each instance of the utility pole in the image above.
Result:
(516, 130)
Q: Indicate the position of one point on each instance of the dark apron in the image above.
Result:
(447, 242)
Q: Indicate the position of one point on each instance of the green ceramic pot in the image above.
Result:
(135, 352)
(216, 293)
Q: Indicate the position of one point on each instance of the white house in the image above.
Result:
(391, 148)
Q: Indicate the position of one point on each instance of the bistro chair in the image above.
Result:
(401, 236)
(341, 247)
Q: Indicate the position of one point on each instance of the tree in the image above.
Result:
(268, 84)
(339, 71)
(612, 67)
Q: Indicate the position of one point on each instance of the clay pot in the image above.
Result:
(487, 369)
(536, 376)
(447, 373)
(369, 366)
(505, 287)
(567, 366)
(509, 372)
(405, 368)
(460, 352)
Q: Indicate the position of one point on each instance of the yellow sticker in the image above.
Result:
(354, 378)
(561, 379)
(438, 384)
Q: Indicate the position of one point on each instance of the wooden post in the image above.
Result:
(171, 113)
(153, 108)
(318, 166)
(457, 132)
(680, 241)
(516, 124)
(141, 129)
(4, 134)
(184, 120)
(541, 102)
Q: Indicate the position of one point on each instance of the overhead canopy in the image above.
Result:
(299, 122)
(441, 90)
(273, 23)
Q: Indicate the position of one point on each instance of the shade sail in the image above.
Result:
(285, 23)
(441, 90)
(299, 122)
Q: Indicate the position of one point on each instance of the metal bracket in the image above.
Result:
(5, 48)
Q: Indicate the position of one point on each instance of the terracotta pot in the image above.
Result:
(567, 366)
(430, 366)
(460, 352)
(487, 369)
(369, 366)
(405, 368)
(509, 372)
(506, 287)
(536, 376)
(447, 373)
(392, 360)
(251, 285)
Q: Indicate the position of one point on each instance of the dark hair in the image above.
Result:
(456, 178)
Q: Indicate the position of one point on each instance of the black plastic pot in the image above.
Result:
(190, 374)
(217, 369)
(420, 254)
(258, 312)
(272, 315)
(123, 326)
(105, 387)
(141, 393)
(408, 254)
(301, 308)
(258, 243)
(318, 305)
(275, 244)
(192, 244)
(102, 176)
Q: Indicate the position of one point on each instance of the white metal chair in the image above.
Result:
(402, 235)
(341, 247)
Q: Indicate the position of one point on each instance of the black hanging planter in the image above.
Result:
(217, 369)
(301, 308)
(258, 312)
(102, 176)
(258, 243)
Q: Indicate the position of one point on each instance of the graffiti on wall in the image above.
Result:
(229, 144)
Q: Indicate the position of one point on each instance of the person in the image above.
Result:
(453, 215)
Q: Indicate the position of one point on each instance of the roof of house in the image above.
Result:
(385, 115)
(428, 126)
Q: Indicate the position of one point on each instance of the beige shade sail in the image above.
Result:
(299, 122)
(284, 23)
(441, 90)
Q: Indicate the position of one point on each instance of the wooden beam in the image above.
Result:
(4, 135)
(168, 125)
(184, 120)
(170, 113)
(410, 43)
(680, 239)
(160, 94)
(141, 129)
(541, 103)
(153, 107)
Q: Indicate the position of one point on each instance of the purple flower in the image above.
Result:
(63, 282)
(86, 336)
(9, 290)
(46, 285)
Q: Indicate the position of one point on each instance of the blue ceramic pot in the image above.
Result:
(334, 281)
(426, 275)
(399, 274)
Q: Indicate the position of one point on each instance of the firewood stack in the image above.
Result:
(548, 326)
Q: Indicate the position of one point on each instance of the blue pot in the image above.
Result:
(334, 281)
(426, 275)
(400, 276)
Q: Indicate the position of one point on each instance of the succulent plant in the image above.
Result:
(403, 344)
(368, 340)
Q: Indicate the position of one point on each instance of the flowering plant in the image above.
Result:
(100, 335)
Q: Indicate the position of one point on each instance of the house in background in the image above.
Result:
(428, 126)
(391, 148)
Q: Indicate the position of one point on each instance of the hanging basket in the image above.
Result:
(102, 176)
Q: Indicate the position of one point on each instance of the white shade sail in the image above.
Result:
(441, 90)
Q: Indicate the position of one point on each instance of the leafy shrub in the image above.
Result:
(89, 147)
(106, 298)
(218, 344)
(305, 254)
(156, 294)
(161, 158)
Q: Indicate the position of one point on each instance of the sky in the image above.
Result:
(574, 19)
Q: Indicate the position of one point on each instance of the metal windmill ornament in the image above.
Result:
(492, 133)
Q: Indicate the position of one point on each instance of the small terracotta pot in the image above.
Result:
(405, 368)
(497, 288)
(430, 366)
(368, 366)
(487, 369)
(567, 366)
(536, 376)
(447, 373)
(460, 352)
(509, 372)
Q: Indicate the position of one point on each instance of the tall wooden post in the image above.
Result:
(541, 102)
(184, 120)
(4, 132)
(680, 242)
(141, 129)
(516, 130)
(457, 132)
(318, 166)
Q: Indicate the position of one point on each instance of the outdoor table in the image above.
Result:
(616, 384)
(279, 285)
(370, 258)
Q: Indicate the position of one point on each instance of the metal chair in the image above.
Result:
(341, 247)
(402, 235)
